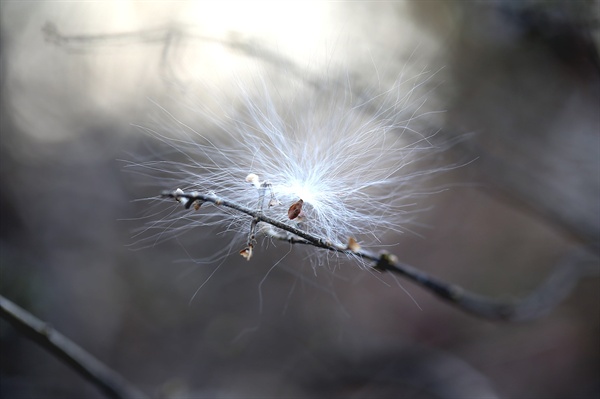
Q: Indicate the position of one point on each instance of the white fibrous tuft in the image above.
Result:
(344, 158)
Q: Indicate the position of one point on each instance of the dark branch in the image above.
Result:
(551, 292)
(107, 380)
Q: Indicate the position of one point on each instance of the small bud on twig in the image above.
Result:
(182, 200)
(253, 178)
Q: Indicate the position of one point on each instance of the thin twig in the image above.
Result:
(247, 252)
(551, 292)
(106, 379)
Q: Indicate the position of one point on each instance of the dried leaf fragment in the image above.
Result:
(246, 252)
(353, 245)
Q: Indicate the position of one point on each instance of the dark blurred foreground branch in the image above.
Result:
(107, 380)
(575, 265)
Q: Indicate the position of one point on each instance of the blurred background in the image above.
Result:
(520, 87)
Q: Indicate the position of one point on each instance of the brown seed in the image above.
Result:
(295, 209)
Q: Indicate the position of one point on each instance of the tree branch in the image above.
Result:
(574, 266)
(107, 380)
